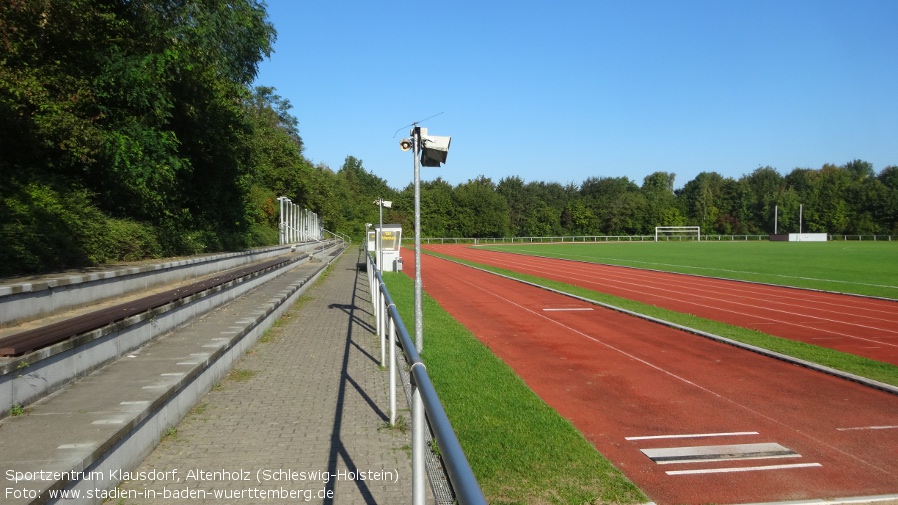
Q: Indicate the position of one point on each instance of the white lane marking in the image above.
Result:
(694, 435)
(742, 469)
(109, 421)
(868, 428)
(706, 453)
(567, 309)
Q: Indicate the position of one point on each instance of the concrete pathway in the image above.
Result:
(301, 418)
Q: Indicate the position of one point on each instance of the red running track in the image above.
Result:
(865, 327)
(632, 386)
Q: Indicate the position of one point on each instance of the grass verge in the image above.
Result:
(864, 367)
(521, 450)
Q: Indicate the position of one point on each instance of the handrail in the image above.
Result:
(342, 236)
(464, 483)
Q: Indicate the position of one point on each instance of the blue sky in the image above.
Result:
(565, 90)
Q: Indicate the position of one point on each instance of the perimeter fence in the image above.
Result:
(633, 238)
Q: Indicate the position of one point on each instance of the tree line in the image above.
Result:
(131, 129)
(845, 199)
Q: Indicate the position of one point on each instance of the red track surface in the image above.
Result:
(617, 377)
(862, 326)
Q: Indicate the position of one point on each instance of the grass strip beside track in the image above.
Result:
(520, 449)
(857, 365)
(864, 268)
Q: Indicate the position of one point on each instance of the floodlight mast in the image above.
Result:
(430, 155)
(419, 313)
(429, 151)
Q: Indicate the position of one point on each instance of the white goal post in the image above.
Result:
(678, 233)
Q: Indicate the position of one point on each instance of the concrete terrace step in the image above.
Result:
(85, 435)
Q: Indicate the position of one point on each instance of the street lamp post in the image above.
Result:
(378, 240)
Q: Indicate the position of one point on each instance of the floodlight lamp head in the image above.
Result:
(387, 203)
(434, 150)
(406, 144)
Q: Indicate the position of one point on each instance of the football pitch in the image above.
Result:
(864, 268)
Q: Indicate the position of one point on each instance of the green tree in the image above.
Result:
(661, 203)
(479, 210)
(886, 208)
(519, 201)
(704, 199)
(765, 186)
(605, 198)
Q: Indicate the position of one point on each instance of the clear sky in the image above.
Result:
(563, 90)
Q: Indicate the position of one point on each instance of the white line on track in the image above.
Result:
(868, 428)
(742, 469)
(567, 309)
(694, 435)
(835, 501)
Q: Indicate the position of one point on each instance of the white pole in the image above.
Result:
(392, 372)
(800, 215)
(380, 267)
(380, 237)
(417, 447)
(381, 323)
(291, 211)
(281, 224)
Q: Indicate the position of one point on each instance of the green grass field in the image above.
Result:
(866, 268)
(521, 450)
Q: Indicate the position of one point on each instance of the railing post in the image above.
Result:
(381, 325)
(417, 447)
(372, 282)
(392, 372)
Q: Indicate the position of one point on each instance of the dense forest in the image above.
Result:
(132, 129)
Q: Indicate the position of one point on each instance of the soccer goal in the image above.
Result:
(670, 233)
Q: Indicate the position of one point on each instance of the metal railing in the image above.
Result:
(425, 404)
(873, 238)
(342, 237)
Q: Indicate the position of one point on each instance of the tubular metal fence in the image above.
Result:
(424, 403)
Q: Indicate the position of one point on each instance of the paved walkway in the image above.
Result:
(304, 412)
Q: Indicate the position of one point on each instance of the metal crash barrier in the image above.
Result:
(424, 403)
